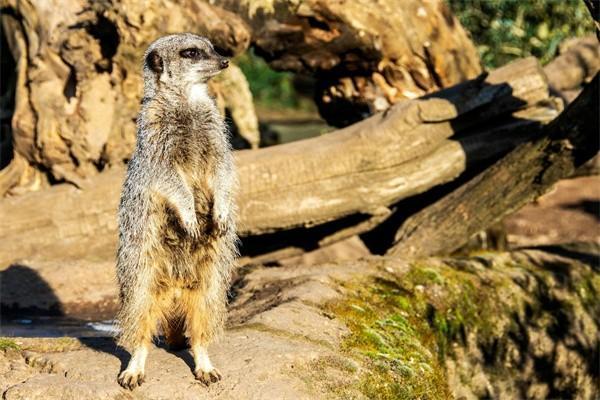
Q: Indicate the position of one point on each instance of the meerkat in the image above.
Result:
(177, 235)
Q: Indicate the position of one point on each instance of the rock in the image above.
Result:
(500, 325)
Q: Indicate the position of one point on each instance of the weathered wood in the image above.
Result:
(524, 174)
(479, 147)
(356, 170)
(577, 64)
(365, 57)
(311, 177)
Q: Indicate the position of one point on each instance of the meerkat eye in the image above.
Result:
(193, 53)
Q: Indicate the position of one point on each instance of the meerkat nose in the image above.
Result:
(224, 63)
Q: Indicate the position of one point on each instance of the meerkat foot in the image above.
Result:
(208, 377)
(204, 372)
(133, 376)
(131, 379)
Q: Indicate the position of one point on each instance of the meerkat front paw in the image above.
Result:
(208, 377)
(131, 379)
(220, 221)
(220, 225)
(192, 228)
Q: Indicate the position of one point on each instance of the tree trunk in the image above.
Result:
(79, 75)
(349, 175)
(365, 57)
(523, 175)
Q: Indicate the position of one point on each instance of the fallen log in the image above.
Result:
(472, 151)
(523, 175)
(356, 171)
(369, 164)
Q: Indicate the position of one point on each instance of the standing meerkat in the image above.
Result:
(177, 240)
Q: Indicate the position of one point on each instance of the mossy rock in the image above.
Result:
(490, 325)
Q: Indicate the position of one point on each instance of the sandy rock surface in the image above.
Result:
(275, 329)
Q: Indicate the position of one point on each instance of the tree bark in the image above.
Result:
(523, 175)
(364, 57)
(350, 175)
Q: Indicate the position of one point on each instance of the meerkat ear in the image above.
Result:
(154, 62)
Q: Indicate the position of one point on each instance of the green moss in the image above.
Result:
(587, 288)
(6, 344)
(423, 275)
(393, 345)
(404, 325)
(402, 329)
(331, 376)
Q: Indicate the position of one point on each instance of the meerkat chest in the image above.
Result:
(198, 94)
(198, 144)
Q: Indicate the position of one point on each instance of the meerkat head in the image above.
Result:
(184, 61)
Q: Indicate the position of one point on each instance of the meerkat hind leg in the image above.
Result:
(204, 371)
(197, 321)
(145, 328)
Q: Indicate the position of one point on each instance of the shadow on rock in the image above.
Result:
(24, 292)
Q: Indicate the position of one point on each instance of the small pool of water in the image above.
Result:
(55, 327)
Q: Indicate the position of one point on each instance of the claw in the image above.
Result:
(131, 380)
(208, 377)
(219, 227)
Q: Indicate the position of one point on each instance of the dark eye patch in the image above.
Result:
(193, 53)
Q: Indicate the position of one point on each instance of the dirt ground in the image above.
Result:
(568, 213)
